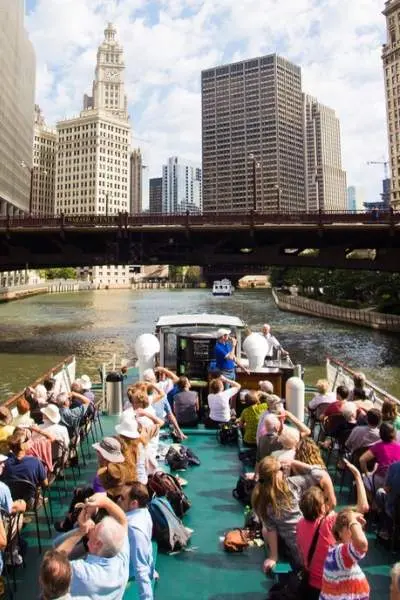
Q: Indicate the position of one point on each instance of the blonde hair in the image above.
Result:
(308, 452)
(271, 492)
(322, 386)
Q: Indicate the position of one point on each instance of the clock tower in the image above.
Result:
(108, 86)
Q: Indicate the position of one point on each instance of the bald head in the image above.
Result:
(266, 329)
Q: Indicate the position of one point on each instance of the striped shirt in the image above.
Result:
(343, 579)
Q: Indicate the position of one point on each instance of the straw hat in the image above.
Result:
(110, 449)
(128, 427)
(86, 383)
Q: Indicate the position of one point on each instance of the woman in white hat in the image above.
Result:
(133, 446)
(51, 424)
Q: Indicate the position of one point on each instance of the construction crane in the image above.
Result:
(385, 164)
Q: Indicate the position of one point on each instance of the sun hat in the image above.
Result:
(128, 427)
(86, 383)
(3, 458)
(52, 412)
(222, 332)
(40, 393)
(110, 449)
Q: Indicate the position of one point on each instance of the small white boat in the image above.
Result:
(223, 287)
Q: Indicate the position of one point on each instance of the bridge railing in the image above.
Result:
(251, 219)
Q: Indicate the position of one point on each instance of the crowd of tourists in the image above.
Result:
(105, 538)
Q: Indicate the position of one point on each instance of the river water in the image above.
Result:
(37, 332)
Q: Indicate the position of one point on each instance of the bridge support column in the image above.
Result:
(3, 208)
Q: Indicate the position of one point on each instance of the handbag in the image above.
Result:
(294, 586)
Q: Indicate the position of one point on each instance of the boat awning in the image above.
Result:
(200, 319)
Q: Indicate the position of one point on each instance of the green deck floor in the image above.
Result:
(205, 571)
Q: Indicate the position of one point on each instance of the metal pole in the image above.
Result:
(254, 185)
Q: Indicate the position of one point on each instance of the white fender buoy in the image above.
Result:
(256, 348)
(295, 393)
(147, 346)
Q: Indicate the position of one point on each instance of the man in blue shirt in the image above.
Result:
(134, 500)
(225, 358)
(104, 573)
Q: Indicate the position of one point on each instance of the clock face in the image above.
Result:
(112, 75)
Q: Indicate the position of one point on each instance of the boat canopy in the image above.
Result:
(194, 320)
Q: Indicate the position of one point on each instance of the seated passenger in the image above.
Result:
(71, 418)
(19, 466)
(386, 452)
(386, 498)
(251, 415)
(186, 405)
(270, 440)
(289, 438)
(23, 418)
(275, 501)
(6, 429)
(86, 387)
(219, 401)
(308, 452)
(134, 500)
(158, 396)
(342, 394)
(105, 570)
(133, 447)
(323, 395)
(390, 414)
(55, 576)
(275, 406)
(51, 424)
(363, 436)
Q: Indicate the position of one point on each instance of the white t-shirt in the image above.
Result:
(272, 343)
(60, 432)
(220, 409)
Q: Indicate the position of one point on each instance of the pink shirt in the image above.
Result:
(304, 534)
(386, 453)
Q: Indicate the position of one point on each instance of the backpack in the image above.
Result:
(168, 530)
(176, 458)
(243, 490)
(227, 433)
(164, 484)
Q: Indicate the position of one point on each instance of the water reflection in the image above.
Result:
(38, 331)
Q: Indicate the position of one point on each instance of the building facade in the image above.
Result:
(252, 129)
(136, 185)
(355, 199)
(93, 157)
(325, 178)
(17, 101)
(181, 186)
(155, 194)
(44, 166)
(391, 65)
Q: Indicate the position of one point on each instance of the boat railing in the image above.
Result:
(338, 373)
(63, 372)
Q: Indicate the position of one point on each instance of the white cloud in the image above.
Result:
(168, 42)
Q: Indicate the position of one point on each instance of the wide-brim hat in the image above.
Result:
(110, 449)
(222, 331)
(52, 412)
(3, 458)
(128, 427)
(86, 383)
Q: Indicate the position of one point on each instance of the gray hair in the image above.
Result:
(62, 399)
(349, 411)
(266, 386)
(271, 423)
(112, 536)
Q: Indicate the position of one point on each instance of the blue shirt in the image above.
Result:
(162, 408)
(6, 502)
(28, 467)
(141, 564)
(221, 350)
(100, 578)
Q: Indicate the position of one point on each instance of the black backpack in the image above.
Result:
(177, 458)
(227, 433)
(243, 490)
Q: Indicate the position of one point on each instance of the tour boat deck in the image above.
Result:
(204, 571)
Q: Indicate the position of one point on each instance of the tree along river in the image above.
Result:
(37, 332)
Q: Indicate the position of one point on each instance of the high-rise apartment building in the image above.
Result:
(93, 157)
(136, 179)
(44, 166)
(17, 100)
(325, 178)
(155, 195)
(391, 64)
(355, 199)
(181, 186)
(252, 118)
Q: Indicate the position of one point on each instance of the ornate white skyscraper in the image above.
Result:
(93, 151)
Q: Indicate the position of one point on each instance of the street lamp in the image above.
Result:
(256, 164)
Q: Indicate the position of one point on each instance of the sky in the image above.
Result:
(168, 42)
